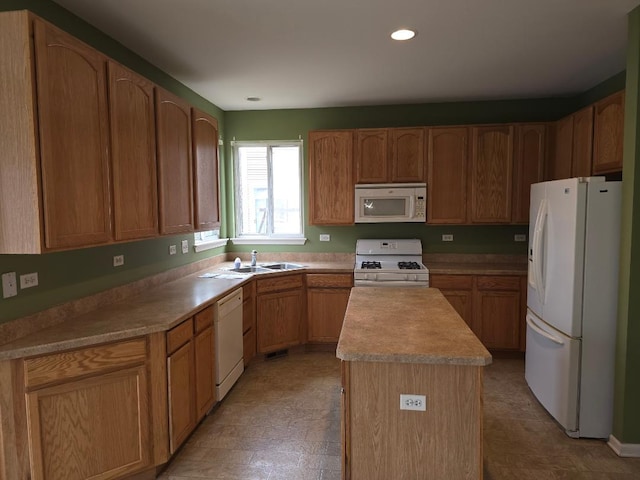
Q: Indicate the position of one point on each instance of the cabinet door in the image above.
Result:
(582, 142)
(528, 164)
(371, 153)
(407, 154)
(497, 311)
(278, 318)
(331, 192)
(249, 321)
(491, 174)
(608, 127)
(97, 427)
(133, 154)
(181, 381)
(562, 158)
(74, 139)
(175, 183)
(447, 174)
(458, 290)
(204, 354)
(205, 161)
(326, 308)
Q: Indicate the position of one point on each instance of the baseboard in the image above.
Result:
(624, 449)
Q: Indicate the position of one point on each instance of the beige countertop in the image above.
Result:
(407, 325)
(157, 309)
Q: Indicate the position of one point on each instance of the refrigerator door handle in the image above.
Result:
(540, 231)
(534, 251)
(542, 332)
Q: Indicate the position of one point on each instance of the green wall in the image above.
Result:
(627, 387)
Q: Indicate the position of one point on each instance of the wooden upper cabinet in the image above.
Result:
(407, 154)
(528, 165)
(205, 161)
(175, 179)
(561, 159)
(133, 154)
(371, 152)
(608, 128)
(331, 185)
(447, 174)
(491, 174)
(582, 142)
(74, 139)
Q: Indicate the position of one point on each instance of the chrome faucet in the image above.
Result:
(254, 257)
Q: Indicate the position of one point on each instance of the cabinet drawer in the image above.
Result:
(178, 336)
(204, 319)
(94, 360)
(279, 283)
(498, 282)
(330, 280)
(451, 282)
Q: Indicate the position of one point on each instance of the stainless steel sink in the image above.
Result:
(250, 270)
(282, 266)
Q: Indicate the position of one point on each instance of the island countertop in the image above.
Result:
(407, 325)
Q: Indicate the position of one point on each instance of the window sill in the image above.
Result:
(201, 247)
(269, 241)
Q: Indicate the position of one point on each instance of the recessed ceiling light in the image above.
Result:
(253, 99)
(403, 34)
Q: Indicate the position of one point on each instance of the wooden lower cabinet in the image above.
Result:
(380, 441)
(492, 305)
(327, 298)
(249, 321)
(280, 309)
(181, 381)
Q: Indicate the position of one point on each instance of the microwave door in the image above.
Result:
(391, 209)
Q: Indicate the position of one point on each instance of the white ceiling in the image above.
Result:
(325, 53)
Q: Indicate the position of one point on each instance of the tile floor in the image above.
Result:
(282, 421)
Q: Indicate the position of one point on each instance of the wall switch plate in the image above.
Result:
(325, 237)
(28, 280)
(9, 285)
(447, 237)
(185, 246)
(413, 402)
(520, 237)
(172, 250)
(118, 260)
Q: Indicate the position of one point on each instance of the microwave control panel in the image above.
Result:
(420, 207)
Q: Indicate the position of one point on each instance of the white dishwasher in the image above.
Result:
(229, 345)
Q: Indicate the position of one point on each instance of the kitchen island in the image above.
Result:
(410, 341)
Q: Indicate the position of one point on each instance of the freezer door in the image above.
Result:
(552, 371)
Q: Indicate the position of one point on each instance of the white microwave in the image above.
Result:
(391, 202)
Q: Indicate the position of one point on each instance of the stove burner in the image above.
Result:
(408, 265)
(371, 265)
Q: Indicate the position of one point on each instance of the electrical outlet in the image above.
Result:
(118, 260)
(325, 237)
(413, 402)
(185, 246)
(172, 250)
(9, 285)
(28, 280)
(520, 237)
(447, 237)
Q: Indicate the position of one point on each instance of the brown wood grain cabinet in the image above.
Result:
(204, 362)
(331, 177)
(528, 167)
(280, 310)
(582, 142)
(447, 161)
(407, 154)
(133, 154)
(608, 130)
(175, 172)
(562, 158)
(327, 298)
(249, 321)
(205, 161)
(458, 290)
(370, 153)
(491, 167)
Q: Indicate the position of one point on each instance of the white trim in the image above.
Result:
(218, 242)
(269, 241)
(624, 449)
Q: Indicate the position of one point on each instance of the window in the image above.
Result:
(268, 200)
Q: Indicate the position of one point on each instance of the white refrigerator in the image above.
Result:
(574, 236)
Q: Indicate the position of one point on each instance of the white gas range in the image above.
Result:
(390, 263)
